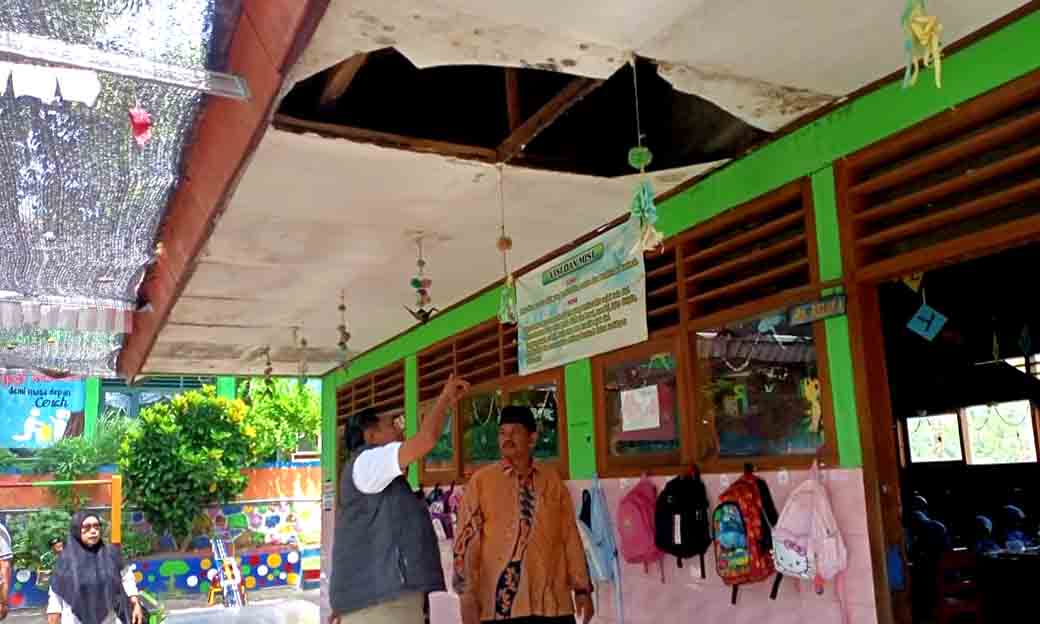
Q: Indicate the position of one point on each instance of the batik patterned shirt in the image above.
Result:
(518, 550)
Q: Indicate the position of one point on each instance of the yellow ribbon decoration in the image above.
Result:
(925, 48)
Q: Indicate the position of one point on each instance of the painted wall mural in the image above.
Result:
(182, 574)
(35, 409)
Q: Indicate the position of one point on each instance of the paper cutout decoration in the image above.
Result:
(640, 409)
(913, 281)
(923, 42)
(927, 322)
(811, 392)
(507, 314)
(141, 125)
(644, 213)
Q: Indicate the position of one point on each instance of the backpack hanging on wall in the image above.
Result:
(807, 544)
(681, 523)
(742, 524)
(635, 520)
(440, 514)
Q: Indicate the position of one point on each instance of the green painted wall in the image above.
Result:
(227, 387)
(329, 437)
(411, 407)
(808, 151)
(581, 447)
(91, 406)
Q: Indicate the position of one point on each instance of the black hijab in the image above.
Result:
(89, 579)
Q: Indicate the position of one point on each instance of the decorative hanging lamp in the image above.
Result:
(923, 42)
(643, 211)
(507, 314)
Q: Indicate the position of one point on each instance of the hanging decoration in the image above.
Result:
(141, 125)
(643, 211)
(301, 341)
(268, 366)
(421, 284)
(507, 314)
(913, 281)
(923, 42)
(344, 335)
(1025, 341)
(996, 341)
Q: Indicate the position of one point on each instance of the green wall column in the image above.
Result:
(91, 406)
(839, 348)
(227, 387)
(411, 408)
(329, 434)
(581, 429)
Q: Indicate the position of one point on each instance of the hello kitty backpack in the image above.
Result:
(807, 544)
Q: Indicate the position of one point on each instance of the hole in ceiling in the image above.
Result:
(464, 111)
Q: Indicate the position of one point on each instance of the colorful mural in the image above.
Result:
(183, 574)
(35, 409)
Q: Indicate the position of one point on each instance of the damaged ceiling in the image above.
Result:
(764, 61)
(399, 110)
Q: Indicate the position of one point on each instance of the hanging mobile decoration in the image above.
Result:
(923, 42)
(141, 125)
(268, 366)
(507, 314)
(303, 360)
(344, 335)
(421, 284)
(643, 210)
(1025, 341)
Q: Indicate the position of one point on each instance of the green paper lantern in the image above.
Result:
(640, 157)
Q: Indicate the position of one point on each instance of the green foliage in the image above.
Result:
(71, 459)
(134, 543)
(7, 459)
(187, 453)
(32, 534)
(284, 412)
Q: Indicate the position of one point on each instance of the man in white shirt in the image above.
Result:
(385, 558)
(5, 569)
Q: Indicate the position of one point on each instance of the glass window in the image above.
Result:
(478, 414)
(642, 415)
(758, 381)
(542, 399)
(934, 438)
(443, 455)
(1001, 433)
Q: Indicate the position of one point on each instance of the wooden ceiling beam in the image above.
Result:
(340, 78)
(513, 97)
(570, 95)
(385, 139)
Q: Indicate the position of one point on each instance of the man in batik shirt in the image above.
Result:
(518, 553)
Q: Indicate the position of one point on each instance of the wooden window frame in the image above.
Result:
(375, 385)
(698, 442)
(460, 472)
(658, 464)
(962, 432)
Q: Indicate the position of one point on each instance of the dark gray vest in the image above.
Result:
(385, 546)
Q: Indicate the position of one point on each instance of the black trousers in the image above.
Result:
(536, 619)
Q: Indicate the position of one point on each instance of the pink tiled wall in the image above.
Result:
(684, 596)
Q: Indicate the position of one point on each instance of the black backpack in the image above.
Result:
(682, 523)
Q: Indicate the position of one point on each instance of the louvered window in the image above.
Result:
(486, 357)
(749, 253)
(662, 290)
(383, 390)
(972, 169)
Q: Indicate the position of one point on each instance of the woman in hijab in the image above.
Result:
(92, 583)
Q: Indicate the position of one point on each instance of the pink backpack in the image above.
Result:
(635, 520)
(807, 544)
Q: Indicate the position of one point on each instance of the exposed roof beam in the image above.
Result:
(513, 97)
(340, 78)
(385, 139)
(546, 115)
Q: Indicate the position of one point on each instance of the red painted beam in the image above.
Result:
(270, 37)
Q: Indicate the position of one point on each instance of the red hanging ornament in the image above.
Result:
(141, 125)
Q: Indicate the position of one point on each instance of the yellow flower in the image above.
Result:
(249, 431)
(213, 487)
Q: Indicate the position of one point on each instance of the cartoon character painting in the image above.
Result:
(41, 431)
